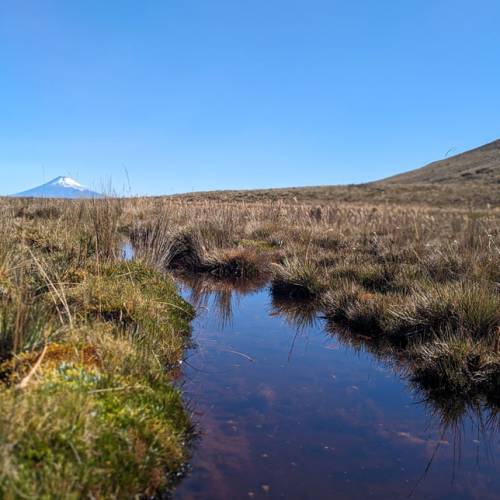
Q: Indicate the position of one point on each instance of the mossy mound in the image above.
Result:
(79, 433)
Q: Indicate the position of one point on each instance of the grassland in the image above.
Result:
(89, 342)
(473, 195)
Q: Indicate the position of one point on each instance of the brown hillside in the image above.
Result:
(479, 164)
(467, 180)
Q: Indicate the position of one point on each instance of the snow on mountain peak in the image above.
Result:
(68, 182)
(60, 187)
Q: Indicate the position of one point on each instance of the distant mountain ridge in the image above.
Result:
(60, 187)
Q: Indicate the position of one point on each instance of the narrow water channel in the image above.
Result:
(287, 410)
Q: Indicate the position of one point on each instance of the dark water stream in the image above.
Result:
(287, 410)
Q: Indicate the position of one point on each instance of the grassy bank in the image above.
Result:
(87, 343)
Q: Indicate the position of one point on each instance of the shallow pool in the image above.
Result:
(286, 409)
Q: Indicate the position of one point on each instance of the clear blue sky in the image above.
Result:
(212, 94)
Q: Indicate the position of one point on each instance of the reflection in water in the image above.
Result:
(220, 291)
(336, 415)
(300, 314)
(127, 251)
(451, 414)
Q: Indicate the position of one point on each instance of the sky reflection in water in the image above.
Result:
(288, 410)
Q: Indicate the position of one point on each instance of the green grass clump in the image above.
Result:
(100, 417)
(79, 433)
(140, 301)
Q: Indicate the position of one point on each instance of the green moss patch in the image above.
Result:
(79, 433)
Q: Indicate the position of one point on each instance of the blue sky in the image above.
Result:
(196, 95)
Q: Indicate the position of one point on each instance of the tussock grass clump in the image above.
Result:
(473, 308)
(297, 279)
(455, 365)
(185, 251)
(188, 249)
(377, 277)
(443, 264)
(238, 263)
(336, 302)
(24, 326)
(25, 320)
(426, 311)
(158, 244)
(102, 222)
(351, 305)
(372, 277)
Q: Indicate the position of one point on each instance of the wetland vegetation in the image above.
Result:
(90, 343)
(87, 345)
(424, 281)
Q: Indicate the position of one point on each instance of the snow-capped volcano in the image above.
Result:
(60, 187)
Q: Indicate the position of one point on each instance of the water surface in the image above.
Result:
(287, 410)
